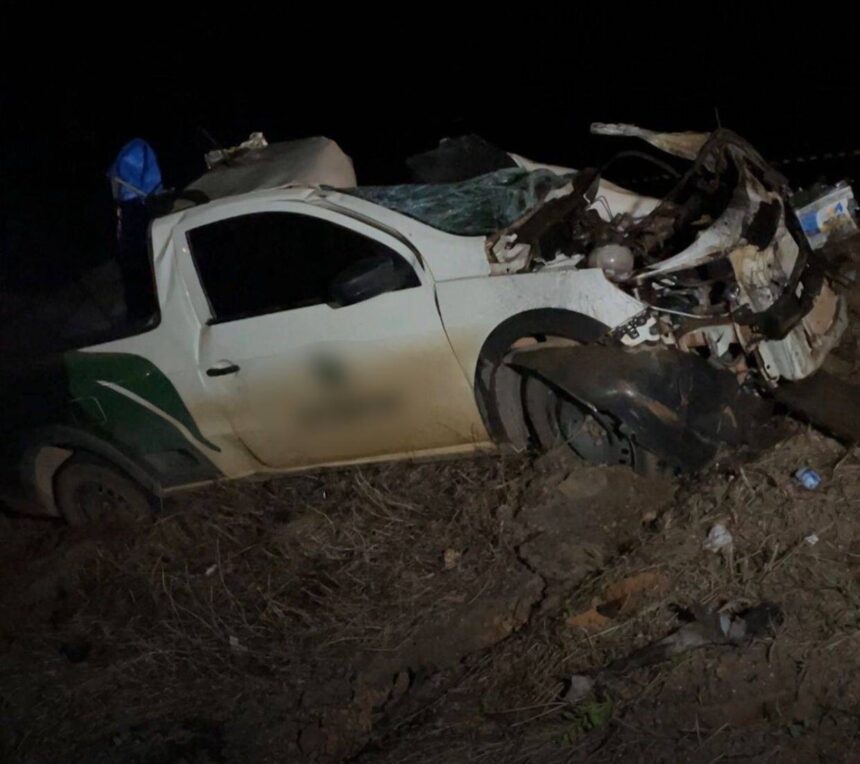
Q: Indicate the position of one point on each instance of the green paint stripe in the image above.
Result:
(163, 414)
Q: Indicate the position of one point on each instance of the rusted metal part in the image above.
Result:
(825, 401)
(546, 229)
(672, 403)
(777, 319)
(823, 312)
(728, 222)
(685, 145)
(728, 182)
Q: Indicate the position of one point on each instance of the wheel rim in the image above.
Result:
(95, 499)
(591, 435)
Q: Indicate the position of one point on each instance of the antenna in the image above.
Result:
(717, 116)
(216, 144)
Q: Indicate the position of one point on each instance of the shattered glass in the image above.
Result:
(475, 207)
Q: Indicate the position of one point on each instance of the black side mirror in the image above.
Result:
(370, 277)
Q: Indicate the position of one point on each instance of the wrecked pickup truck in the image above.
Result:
(302, 321)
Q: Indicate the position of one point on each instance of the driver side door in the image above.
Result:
(302, 379)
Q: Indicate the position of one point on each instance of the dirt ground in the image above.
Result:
(418, 613)
(469, 611)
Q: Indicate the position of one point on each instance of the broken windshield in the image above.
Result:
(475, 207)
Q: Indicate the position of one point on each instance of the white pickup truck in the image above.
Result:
(299, 326)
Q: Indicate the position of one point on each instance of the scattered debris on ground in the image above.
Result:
(438, 612)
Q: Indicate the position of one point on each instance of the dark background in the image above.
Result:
(386, 83)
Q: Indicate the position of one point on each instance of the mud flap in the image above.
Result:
(826, 402)
(674, 404)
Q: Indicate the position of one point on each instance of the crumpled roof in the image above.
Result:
(475, 207)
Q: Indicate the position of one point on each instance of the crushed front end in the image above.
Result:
(721, 262)
(723, 269)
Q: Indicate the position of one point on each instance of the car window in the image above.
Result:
(275, 261)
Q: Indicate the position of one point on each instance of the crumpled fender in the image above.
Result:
(672, 403)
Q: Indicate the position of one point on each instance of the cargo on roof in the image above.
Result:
(257, 164)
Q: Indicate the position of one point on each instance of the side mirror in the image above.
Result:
(368, 278)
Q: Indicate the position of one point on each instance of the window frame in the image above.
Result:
(194, 281)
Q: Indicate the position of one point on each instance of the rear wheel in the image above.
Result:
(90, 490)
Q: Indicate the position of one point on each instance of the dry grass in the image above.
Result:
(263, 621)
(244, 588)
(788, 696)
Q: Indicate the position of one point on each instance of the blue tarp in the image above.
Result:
(135, 173)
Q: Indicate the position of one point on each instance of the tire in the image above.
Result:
(89, 490)
(555, 418)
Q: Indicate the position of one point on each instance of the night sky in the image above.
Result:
(530, 85)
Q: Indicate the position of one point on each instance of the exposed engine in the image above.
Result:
(721, 261)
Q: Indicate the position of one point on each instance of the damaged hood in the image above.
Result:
(721, 262)
(728, 195)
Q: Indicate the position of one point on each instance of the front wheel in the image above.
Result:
(90, 490)
(555, 418)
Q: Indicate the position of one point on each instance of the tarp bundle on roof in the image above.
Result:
(310, 161)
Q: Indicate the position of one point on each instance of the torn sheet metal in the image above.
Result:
(544, 232)
(727, 193)
(610, 199)
(711, 243)
(720, 258)
(460, 159)
(686, 145)
(728, 198)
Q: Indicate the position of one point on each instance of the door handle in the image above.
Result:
(220, 371)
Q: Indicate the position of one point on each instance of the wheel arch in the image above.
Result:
(51, 448)
(498, 387)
